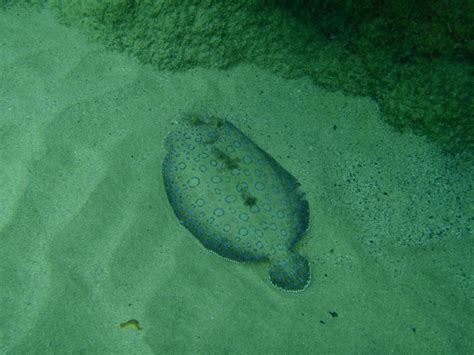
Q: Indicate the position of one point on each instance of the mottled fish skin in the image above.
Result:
(235, 198)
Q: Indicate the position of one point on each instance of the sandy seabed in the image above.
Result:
(89, 241)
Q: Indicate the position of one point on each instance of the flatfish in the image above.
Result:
(235, 198)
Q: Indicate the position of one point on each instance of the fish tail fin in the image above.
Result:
(290, 272)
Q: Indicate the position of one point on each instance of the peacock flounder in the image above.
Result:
(235, 198)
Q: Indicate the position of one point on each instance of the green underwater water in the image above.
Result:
(94, 260)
